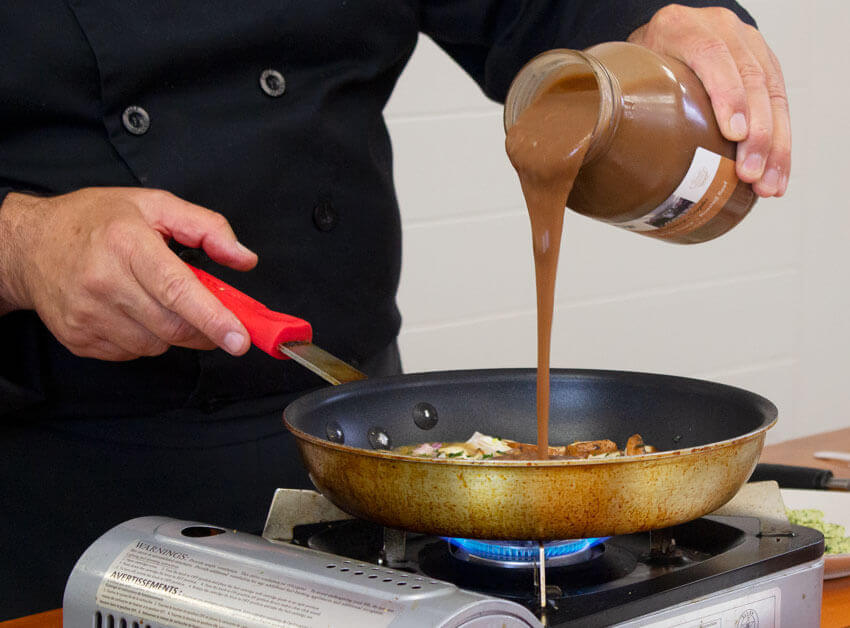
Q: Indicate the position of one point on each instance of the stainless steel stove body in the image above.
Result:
(314, 568)
(155, 572)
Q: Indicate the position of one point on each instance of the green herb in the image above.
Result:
(834, 540)
(485, 456)
(454, 455)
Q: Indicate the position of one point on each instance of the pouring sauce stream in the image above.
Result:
(547, 146)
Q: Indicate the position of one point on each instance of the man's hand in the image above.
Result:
(95, 266)
(743, 79)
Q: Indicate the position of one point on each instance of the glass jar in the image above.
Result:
(657, 163)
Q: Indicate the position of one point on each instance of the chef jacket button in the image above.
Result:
(272, 83)
(136, 120)
(324, 216)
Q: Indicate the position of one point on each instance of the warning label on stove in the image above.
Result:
(151, 583)
(756, 610)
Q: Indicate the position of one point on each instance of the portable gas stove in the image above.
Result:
(317, 567)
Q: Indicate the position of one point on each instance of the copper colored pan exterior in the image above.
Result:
(539, 500)
(531, 500)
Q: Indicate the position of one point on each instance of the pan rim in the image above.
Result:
(327, 392)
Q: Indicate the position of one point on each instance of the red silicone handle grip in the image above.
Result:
(267, 328)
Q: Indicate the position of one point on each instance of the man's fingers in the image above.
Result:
(139, 339)
(778, 168)
(744, 80)
(196, 226)
(753, 151)
(198, 341)
(774, 179)
(108, 287)
(715, 65)
(102, 350)
(135, 339)
(170, 282)
(176, 289)
(163, 323)
(695, 36)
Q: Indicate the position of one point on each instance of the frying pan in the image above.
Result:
(709, 438)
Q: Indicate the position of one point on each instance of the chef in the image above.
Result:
(247, 139)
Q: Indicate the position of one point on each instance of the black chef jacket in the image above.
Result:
(269, 112)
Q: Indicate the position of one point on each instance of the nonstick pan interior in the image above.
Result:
(669, 412)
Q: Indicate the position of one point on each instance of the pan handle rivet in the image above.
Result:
(378, 438)
(333, 431)
(424, 415)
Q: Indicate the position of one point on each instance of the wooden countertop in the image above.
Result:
(50, 619)
(836, 593)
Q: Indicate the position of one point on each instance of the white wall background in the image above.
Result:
(764, 307)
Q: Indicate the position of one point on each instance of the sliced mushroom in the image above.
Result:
(635, 446)
(585, 448)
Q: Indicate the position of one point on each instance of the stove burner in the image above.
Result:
(621, 580)
(522, 554)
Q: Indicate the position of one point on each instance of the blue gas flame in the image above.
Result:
(523, 551)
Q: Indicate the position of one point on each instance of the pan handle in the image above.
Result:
(268, 329)
(789, 476)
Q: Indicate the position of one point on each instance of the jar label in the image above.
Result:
(703, 192)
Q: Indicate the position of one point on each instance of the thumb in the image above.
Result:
(196, 226)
